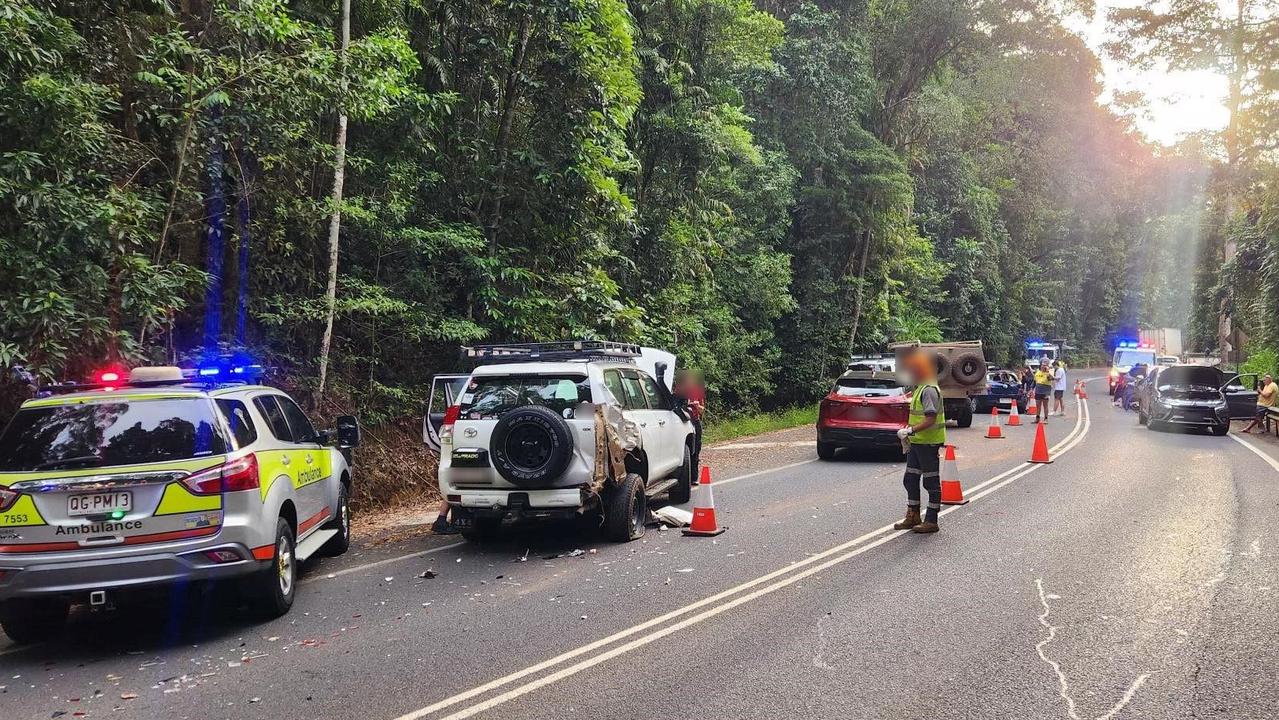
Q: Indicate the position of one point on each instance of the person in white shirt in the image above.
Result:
(1059, 389)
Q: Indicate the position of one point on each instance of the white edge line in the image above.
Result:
(1021, 470)
(1257, 451)
(378, 563)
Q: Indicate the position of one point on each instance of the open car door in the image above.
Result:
(1241, 397)
(445, 391)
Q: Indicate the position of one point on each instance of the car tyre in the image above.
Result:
(626, 510)
(826, 451)
(1153, 424)
(682, 490)
(482, 529)
(27, 622)
(965, 417)
(1221, 430)
(340, 543)
(272, 590)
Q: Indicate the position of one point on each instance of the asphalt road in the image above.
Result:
(1134, 577)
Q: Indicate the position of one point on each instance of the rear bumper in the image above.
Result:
(38, 577)
(859, 437)
(516, 505)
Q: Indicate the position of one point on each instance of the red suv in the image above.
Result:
(864, 410)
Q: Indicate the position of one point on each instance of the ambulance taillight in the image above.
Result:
(233, 476)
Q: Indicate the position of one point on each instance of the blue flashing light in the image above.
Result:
(236, 367)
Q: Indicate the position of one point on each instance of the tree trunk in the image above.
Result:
(242, 269)
(335, 220)
(860, 292)
(215, 210)
(1238, 69)
(510, 97)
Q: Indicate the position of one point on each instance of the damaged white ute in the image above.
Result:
(583, 429)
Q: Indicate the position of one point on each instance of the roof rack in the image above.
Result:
(552, 351)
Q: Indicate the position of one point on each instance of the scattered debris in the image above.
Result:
(428, 574)
(684, 570)
(673, 516)
(128, 696)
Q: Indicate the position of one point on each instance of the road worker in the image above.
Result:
(926, 434)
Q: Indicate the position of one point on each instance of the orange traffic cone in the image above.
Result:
(951, 491)
(704, 524)
(995, 431)
(1083, 390)
(1014, 418)
(1040, 452)
(1032, 407)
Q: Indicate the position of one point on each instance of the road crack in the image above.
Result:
(1063, 683)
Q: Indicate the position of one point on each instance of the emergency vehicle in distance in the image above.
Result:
(1129, 353)
(159, 476)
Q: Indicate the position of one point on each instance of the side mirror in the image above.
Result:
(348, 431)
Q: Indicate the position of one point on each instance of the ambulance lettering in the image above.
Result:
(102, 527)
(310, 475)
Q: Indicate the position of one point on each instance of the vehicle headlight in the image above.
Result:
(1114, 373)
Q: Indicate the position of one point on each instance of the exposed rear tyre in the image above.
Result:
(338, 544)
(682, 490)
(964, 418)
(271, 590)
(626, 510)
(1153, 424)
(826, 451)
(32, 621)
(482, 529)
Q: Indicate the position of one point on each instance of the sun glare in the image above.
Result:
(1177, 103)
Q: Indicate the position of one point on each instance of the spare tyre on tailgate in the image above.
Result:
(531, 446)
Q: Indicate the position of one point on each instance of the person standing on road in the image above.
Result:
(1043, 386)
(690, 388)
(926, 433)
(1059, 389)
(1266, 398)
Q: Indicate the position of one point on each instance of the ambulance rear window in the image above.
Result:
(103, 434)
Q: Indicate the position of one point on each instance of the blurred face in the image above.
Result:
(918, 366)
(1268, 379)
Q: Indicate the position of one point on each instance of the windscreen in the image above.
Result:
(868, 387)
(1128, 358)
(103, 434)
(488, 397)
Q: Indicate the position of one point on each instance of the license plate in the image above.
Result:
(99, 503)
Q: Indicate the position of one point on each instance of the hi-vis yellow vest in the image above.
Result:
(935, 435)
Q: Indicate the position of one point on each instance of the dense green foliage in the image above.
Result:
(763, 187)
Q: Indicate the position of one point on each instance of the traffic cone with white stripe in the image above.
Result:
(1083, 390)
(1032, 407)
(995, 431)
(704, 524)
(1039, 454)
(952, 493)
(1014, 418)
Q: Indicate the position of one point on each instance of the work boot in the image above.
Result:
(925, 527)
(911, 519)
